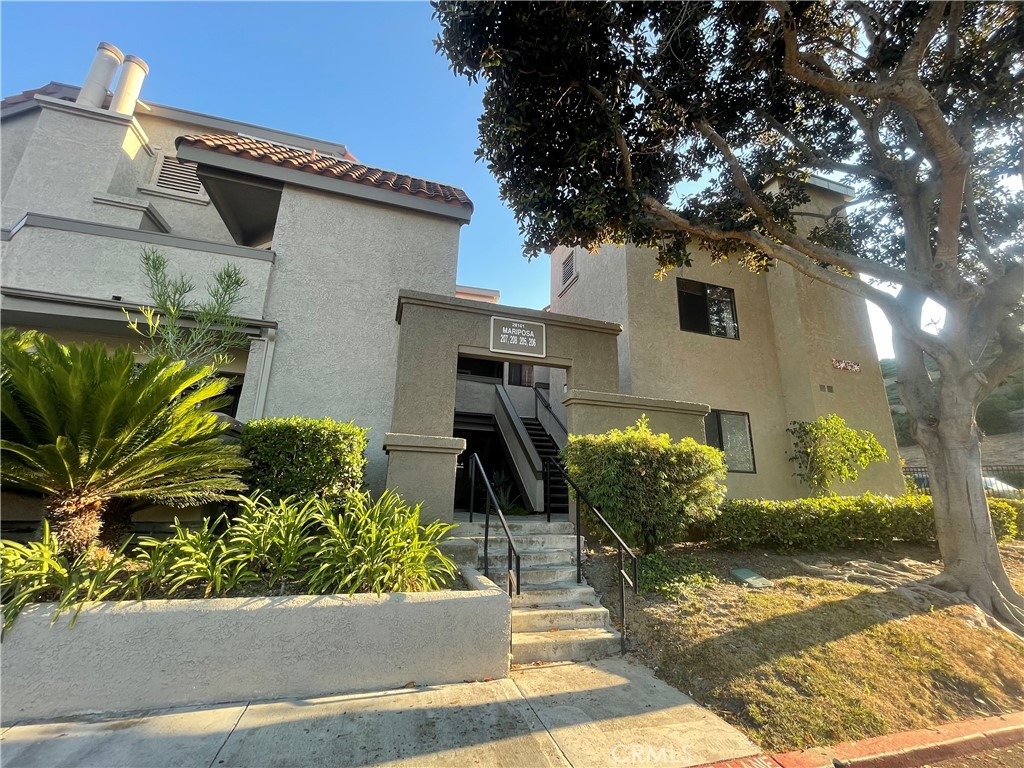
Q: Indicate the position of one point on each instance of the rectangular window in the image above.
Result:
(708, 309)
(729, 431)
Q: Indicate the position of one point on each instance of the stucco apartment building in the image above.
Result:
(352, 309)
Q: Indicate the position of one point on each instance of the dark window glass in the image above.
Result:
(729, 431)
(709, 309)
(489, 369)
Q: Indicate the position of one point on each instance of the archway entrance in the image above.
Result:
(439, 331)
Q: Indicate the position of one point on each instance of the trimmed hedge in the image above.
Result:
(304, 458)
(649, 488)
(839, 522)
(1017, 506)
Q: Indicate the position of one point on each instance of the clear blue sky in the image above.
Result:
(363, 74)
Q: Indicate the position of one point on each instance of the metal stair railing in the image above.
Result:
(552, 466)
(514, 559)
(544, 401)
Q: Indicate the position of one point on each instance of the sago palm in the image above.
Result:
(84, 425)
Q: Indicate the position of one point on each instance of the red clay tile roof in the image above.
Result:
(331, 167)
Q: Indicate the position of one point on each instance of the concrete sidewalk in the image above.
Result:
(612, 712)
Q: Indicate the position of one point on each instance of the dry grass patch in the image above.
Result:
(812, 661)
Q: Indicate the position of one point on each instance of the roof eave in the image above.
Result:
(322, 183)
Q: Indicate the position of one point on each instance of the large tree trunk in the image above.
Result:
(971, 561)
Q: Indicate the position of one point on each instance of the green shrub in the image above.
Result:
(379, 546)
(1004, 519)
(359, 545)
(1017, 505)
(835, 522)
(649, 488)
(303, 457)
(827, 451)
(674, 577)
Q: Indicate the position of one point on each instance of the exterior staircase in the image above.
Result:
(553, 617)
(548, 449)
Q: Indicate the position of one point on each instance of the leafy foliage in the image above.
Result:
(304, 457)
(649, 488)
(827, 451)
(674, 577)
(83, 425)
(359, 545)
(38, 572)
(213, 331)
(379, 546)
(835, 522)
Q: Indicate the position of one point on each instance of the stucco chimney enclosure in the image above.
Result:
(101, 76)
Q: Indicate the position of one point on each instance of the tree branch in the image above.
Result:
(793, 240)
(806, 265)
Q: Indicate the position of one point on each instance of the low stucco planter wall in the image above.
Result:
(163, 653)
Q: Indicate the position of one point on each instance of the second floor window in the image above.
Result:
(706, 308)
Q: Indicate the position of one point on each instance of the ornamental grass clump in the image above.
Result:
(649, 488)
(356, 544)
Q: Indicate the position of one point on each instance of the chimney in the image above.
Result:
(101, 75)
(133, 73)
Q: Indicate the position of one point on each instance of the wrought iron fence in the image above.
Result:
(1000, 480)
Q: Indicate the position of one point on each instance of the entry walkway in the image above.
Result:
(612, 712)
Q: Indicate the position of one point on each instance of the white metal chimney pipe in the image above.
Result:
(133, 72)
(101, 75)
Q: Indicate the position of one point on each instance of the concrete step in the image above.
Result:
(499, 557)
(538, 575)
(539, 527)
(558, 594)
(564, 645)
(546, 618)
(524, 542)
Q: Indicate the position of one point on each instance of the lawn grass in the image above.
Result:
(812, 661)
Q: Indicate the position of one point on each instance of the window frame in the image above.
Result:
(717, 413)
(681, 281)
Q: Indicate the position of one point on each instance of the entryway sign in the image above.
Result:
(518, 337)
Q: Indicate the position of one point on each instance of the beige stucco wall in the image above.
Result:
(16, 133)
(70, 157)
(92, 266)
(790, 329)
(180, 651)
(339, 267)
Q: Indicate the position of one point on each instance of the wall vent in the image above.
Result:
(568, 268)
(179, 176)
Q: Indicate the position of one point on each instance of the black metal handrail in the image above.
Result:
(513, 552)
(554, 466)
(543, 400)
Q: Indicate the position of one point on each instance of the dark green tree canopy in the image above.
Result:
(667, 123)
(681, 124)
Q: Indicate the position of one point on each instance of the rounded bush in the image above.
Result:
(304, 457)
(649, 488)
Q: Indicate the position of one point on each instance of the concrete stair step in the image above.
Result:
(528, 527)
(564, 645)
(499, 559)
(525, 542)
(546, 618)
(558, 594)
(537, 575)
